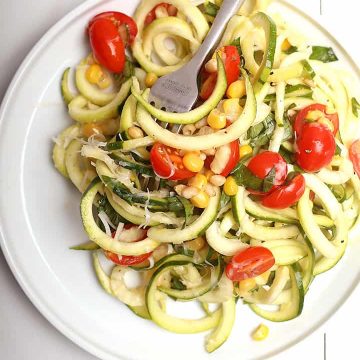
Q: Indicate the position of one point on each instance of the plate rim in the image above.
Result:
(39, 301)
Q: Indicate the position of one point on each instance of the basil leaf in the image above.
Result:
(323, 53)
(177, 284)
(308, 70)
(287, 155)
(288, 130)
(236, 42)
(105, 206)
(224, 200)
(269, 180)
(355, 107)
(243, 176)
(260, 134)
(211, 9)
(291, 50)
(188, 209)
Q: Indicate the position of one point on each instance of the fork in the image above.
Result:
(178, 91)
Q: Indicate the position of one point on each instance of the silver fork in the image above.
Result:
(178, 91)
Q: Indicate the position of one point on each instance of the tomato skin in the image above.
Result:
(285, 195)
(126, 260)
(233, 159)
(232, 69)
(107, 45)
(151, 16)
(315, 147)
(232, 63)
(261, 164)
(163, 158)
(119, 19)
(208, 86)
(354, 153)
(301, 116)
(249, 263)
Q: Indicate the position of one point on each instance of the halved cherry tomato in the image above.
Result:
(354, 152)
(126, 260)
(232, 69)
(125, 24)
(300, 118)
(261, 164)
(167, 163)
(107, 46)
(285, 195)
(232, 160)
(315, 147)
(151, 16)
(249, 263)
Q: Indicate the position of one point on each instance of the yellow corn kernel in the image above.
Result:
(150, 79)
(285, 45)
(94, 73)
(104, 82)
(196, 244)
(90, 129)
(232, 107)
(260, 333)
(245, 150)
(230, 186)
(216, 119)
(236, 90)
(246, 285)
(201, 200)
(193, 162)
(199, 181)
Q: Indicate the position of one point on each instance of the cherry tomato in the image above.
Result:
(355, 156)
(107, 45)
(232, 69)
(315, 147)
(127, 260)
(125, 24)
(151, 16)
(261, 164)
(167, 163)
(285, 195)
(300, 119)
(249, 263)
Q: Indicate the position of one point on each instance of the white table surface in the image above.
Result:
(24, 333)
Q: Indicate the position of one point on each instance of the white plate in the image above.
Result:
(40, 219)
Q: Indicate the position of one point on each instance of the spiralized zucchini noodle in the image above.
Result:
(181, 235)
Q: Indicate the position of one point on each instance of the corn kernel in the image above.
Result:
(90, 129)
(245, 150)
(193, 162)
(201, 200)
(199, 181)
(150, 79)
(232, 107)
(285, 45)
(216, 119)
(260, 333)
(135, 132)
(246, 285)
(104, 82)
(230, 186)
(236, 90)
(196, 244)
(94, 73)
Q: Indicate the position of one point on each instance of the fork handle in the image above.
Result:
(226, 11)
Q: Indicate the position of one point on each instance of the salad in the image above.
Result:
(244, 199)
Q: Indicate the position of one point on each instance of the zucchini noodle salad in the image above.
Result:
(246, 198)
